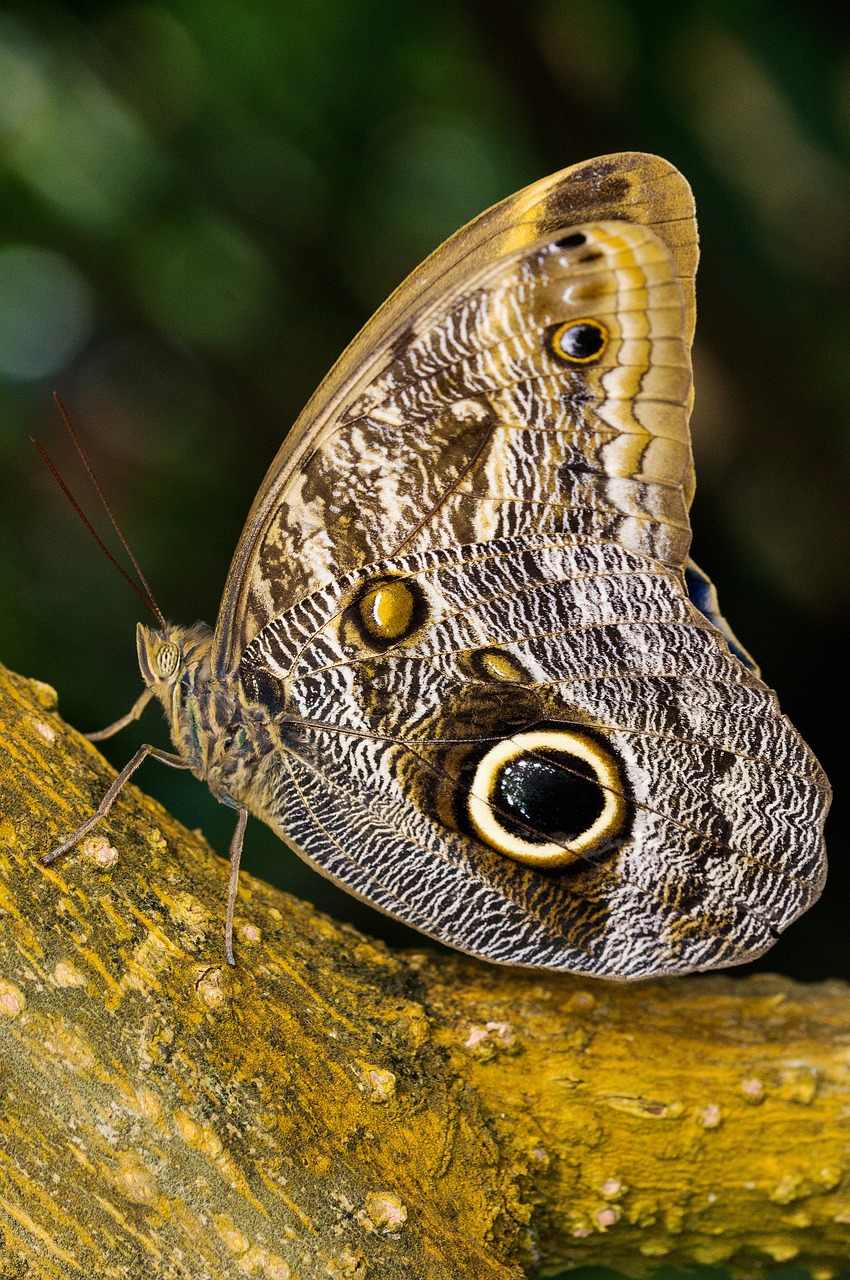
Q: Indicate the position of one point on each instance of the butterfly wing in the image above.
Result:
(448, 390)
(563, 651)
(460, 602)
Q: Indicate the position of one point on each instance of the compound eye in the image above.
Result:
(547, 798)
(166, 659)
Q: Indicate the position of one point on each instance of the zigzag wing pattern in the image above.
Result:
(722, 843)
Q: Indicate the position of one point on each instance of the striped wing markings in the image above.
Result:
(502, 295)
(642, 189)
(768, 767)
(607, 875)
(702, 625)
(435, 562)
(504, 378)
(695, 621)
(406, 909)
(738, 851)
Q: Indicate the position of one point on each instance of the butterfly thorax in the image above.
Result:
(211, 726)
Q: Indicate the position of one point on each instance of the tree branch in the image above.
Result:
(331, 1108)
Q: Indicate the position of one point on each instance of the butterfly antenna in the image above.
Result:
(151, 604)
(66, 418)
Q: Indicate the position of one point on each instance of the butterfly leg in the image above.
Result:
(133, 714)
(167, 757)
(233, 882)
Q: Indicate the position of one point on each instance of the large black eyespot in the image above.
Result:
(542, 798)
(547, 798)
(579, 341)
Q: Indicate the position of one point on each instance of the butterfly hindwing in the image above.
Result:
(718, 843)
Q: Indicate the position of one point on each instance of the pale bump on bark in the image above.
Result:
(336, 1109)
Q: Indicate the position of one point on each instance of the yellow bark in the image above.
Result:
(335, 1109)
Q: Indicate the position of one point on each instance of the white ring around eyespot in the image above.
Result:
(486, 821)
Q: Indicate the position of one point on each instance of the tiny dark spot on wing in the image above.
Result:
(722, 829)
(571, 241)
(591, 291)
(577, 397)
(263, 687)
(690, 897)
(569, 469)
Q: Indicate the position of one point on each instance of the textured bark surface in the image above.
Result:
(335, 1109)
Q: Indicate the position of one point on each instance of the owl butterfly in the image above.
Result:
(463, 664)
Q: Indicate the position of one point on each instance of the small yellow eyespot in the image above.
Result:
(547, 798)
(494, 665)
(166, 659)
(579, 341)
(387, 610)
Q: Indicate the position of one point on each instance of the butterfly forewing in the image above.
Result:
(404, 417)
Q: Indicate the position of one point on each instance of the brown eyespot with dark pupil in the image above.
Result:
(579, 341)
(389, 611)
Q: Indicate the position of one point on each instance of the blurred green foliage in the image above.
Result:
(201, 201)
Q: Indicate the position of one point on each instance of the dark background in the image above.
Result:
(201, 201)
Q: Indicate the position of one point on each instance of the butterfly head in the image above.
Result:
(166, 652)
(206, 717)
(174, 662)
